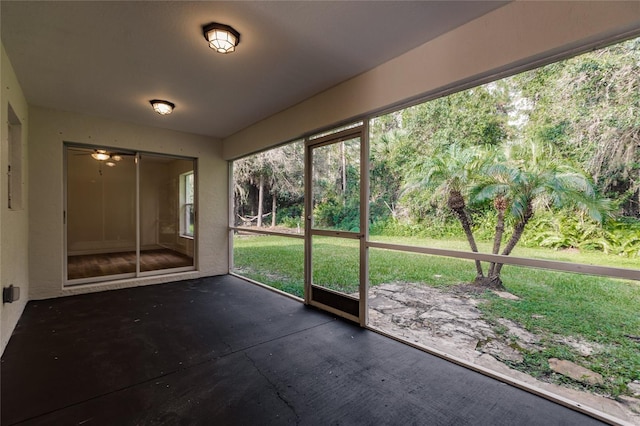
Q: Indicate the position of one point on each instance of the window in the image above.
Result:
(187, 223)
(503, 185)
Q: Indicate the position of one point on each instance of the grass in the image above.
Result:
(552, 304)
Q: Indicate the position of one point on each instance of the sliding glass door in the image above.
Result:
(127, 214)
(100, 215)
(167, 222)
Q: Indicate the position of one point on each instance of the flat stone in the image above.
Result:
(583, 347)
(500, 351)
(574, 371)
(438, 315)
(631, 402)
(380, 303)
(505, 295)
(634, 387)
(526, 339)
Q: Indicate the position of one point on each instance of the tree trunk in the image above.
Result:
(637, 209)
(497, 239)
(273, 209)
(457, 205)
(260, 200)
(518, 229)
(490, 282)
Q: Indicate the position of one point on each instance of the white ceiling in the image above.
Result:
(110, 58)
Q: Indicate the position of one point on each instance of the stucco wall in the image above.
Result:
(519, 33)
(14, 225)
(49, 129)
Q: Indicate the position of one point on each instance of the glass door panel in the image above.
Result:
(167, 213)
(101, 214)
(335, 276)
(336, 186)
(334, 240)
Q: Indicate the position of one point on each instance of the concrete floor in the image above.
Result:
(221, 351)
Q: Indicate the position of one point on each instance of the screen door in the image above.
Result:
(336, 222)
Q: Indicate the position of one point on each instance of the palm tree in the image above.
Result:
(450, 175)
(517, 181)
(527, 177)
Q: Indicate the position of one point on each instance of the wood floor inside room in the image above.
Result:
(221, 351)
(98, 265)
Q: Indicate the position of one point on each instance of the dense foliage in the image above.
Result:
(548, 157)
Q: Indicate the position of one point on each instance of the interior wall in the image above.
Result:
(100, 205)
(519, 33)
(49, 129)
(14, 225)
(152, 176)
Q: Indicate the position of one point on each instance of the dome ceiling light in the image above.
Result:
(162, 107)
(222, 38)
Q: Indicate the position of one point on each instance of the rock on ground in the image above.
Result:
(576, 372)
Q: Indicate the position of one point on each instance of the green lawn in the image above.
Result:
(601, 310)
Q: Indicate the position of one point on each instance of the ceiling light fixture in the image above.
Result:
(222, 38)
(162, 107)
(100, 155)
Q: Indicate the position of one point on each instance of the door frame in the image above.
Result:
(360, 131)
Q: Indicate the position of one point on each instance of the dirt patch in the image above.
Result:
(448, 320)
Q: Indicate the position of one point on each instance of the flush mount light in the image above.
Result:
(222, 38)
(162, 107)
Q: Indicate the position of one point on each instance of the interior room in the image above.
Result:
(101, 214)
(122, 126)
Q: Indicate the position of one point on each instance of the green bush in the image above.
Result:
(291, 216)
(432, 227)
(624, 235)
(563, 230)
(336, 215)
(291, 222)
(556, 230)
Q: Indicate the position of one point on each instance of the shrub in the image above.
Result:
(334, 214)
(562, 230)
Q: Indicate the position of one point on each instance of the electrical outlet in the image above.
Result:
(10, 294)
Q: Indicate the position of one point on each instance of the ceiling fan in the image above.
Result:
(110, 159)
(107, 157)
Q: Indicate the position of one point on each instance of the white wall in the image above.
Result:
(518, 33)
(49, 129)
(14, 225)
(100, 205)
(153, 175)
